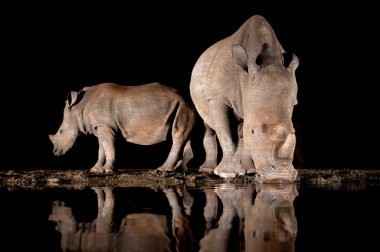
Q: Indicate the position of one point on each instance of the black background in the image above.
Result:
(49, 50)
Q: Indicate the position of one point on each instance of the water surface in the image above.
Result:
(222, 217)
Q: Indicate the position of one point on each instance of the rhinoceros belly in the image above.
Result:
(146, 133)
(148, 124)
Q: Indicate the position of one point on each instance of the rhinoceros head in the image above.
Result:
(269, 93)
(68, 132)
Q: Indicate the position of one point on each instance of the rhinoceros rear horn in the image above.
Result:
(74, 97)
(293, 64)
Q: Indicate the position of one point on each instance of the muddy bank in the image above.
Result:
(76, 179)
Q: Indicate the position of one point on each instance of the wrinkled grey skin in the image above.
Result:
(227, 78)
(143, 114)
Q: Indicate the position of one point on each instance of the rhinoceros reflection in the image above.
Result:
(137, 232)
(219, 238)
(231, 219)
(268, 224)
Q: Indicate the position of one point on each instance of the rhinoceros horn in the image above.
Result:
(293, 64)
(287, 148)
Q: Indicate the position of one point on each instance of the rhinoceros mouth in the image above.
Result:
(270, 174)
(59, 152)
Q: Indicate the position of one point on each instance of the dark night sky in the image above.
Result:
(48, 51)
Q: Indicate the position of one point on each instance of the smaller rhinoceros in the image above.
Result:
(143, 114)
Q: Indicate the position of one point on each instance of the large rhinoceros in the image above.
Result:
(245, 73)
(143, 114)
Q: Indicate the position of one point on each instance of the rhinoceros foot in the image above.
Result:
(206, 169)
(229, 169)
(164, 168)
(169, 168)
(251, 170)
(96, 169)
(224, 174)
(108, 170)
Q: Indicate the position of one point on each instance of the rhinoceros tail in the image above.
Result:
(184, 121)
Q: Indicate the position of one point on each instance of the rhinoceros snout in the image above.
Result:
(270, 174)
(57, 152)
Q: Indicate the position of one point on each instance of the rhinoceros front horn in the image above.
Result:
(287, 149)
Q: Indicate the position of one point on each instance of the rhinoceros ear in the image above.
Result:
(240, 57)
(293, 64)
(74, 97)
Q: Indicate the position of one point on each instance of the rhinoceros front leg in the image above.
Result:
(230, 163)
(211, 148)
(245, 159)
(106, 203)
(106, 140)
(98, 167)
(210, 211)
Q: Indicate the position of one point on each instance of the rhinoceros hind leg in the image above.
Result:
(211, 148)
(188, 154)
(181, 127)
(172, 161)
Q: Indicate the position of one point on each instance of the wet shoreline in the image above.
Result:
(76, 179)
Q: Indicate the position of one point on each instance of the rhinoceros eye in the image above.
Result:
(277, 132)
(61, 131)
